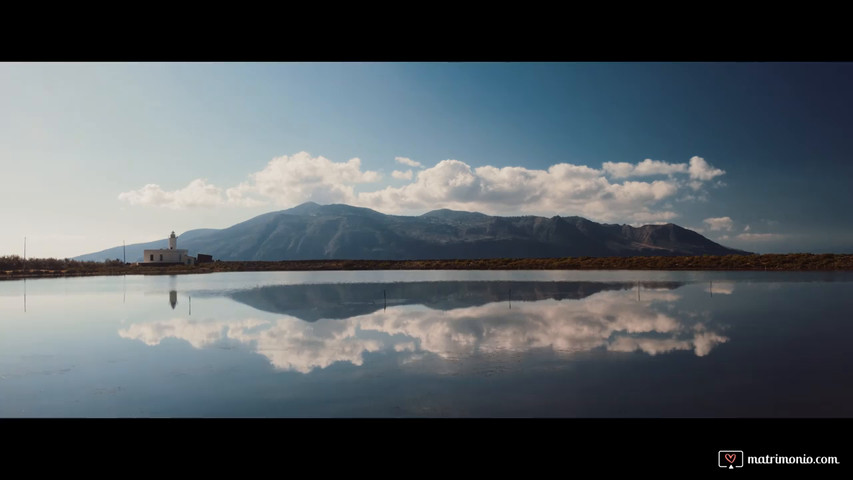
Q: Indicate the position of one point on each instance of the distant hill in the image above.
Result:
(311, 231)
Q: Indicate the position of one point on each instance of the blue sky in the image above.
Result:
(753, 155)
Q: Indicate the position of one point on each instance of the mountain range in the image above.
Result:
(314, 232)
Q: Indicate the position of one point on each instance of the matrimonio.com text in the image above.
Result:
(732, 459)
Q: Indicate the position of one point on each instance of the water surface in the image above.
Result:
(429, 343)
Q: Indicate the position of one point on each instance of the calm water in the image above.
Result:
(434, 344)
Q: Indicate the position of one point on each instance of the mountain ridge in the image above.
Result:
(337, 231)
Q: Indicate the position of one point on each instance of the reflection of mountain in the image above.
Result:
(608, 320)
(344, 300)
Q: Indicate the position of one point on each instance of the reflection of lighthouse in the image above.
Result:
(173, 298)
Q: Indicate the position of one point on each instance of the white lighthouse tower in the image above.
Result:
(171, 255)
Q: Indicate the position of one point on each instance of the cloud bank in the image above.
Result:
(614, 192)
(720, 223)
(407, 175)
(197, 194)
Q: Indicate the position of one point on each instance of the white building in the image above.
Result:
(171, 255)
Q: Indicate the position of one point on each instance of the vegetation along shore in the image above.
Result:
(13, 267)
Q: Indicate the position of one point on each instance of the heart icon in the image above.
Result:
(730, 457)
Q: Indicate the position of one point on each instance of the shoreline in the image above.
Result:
(767, 262)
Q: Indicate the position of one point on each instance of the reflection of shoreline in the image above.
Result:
(311, 302)
(609, 320)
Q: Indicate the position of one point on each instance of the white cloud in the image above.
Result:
(408, 161)
(719, 223)
(238, 197)
(700, 170)
(761, 237)
(645, 168)
(561, 189)
(197, 194)
(407, 175)
(294, 179)
(286, 180)
(618, 170)
(698, 197)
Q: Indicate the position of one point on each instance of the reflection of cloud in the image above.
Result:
(704, 342)
(723, 288)
(609, 319)
(198, 333)
(652, 346)
(291, 344)
(405, 347)
(701, 344)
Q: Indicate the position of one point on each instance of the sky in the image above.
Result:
(754, 156)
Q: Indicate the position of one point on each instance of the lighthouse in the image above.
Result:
(171, 255)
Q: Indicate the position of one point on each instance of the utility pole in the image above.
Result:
(124, 251)
(25, 249)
